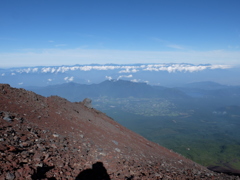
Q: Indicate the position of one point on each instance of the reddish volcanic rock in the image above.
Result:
(52, 138)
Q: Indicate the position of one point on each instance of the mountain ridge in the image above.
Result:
(111, 88)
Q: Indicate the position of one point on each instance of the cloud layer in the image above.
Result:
(123, 69)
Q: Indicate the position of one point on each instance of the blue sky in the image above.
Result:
(60, 32)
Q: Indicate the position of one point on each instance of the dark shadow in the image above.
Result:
(224, 170)
(41, 173)
(98, 172)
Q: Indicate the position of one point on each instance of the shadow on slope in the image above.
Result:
(41, 173)
(219, 169)
(98, 172)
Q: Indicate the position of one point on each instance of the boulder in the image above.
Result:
(87, 102)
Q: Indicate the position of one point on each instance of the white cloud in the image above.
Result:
(53, 70)
(27, 70)
(86, 68)
(220, 66)
(108, 77)
(34, 69)
(13, 74)
(126, 76)
(128, 70)
(49, 80)
(139, 80)
(69, 79)
(169, 67)
(183, 67)
(3, 74)
(46, 69)
(135, 80)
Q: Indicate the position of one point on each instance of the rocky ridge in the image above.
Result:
(52, 138)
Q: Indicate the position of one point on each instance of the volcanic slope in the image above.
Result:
(52, 138)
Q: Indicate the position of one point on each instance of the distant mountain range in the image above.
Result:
(170, 74)
(210, 89)
(125, 89)
(110, 88)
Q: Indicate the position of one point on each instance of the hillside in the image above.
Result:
(52, 138)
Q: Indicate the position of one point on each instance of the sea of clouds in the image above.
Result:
(171, 68)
